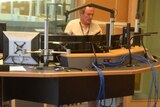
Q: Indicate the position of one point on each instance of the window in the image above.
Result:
(29, 15)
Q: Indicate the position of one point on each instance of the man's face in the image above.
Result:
(87, 15)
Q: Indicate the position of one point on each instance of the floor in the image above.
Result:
(115, 102)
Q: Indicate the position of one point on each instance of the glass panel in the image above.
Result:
(29, 15)
(55, 15)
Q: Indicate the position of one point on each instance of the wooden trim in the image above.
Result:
(53, 74)
(112, 53)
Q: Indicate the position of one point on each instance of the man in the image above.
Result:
(84, 25)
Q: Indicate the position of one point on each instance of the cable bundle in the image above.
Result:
(101, 93)
(120, 61)
(153, 82)
(115, 63)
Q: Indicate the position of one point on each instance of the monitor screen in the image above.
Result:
(2, 28)
(77, 44)
(81, 43)
(14, 44)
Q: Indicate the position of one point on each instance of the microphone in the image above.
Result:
(151, 33)
(145, 34)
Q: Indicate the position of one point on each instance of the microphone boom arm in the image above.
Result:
(91, 5)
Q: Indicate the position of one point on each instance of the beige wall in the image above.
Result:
(125, 11)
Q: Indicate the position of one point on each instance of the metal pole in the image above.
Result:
(46, 42)
(111, 30)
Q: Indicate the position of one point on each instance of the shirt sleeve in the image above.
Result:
(68, 29)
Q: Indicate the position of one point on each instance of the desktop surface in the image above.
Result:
(51, 72)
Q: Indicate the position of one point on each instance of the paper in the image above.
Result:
(17, 68)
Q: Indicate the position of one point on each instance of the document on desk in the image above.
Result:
(17, 68)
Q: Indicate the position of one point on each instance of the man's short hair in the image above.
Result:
(83, 10)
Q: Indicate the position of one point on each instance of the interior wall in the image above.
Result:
(132, 7)
(153, 25)
(152, 42)
(121, 12)
(120, 8)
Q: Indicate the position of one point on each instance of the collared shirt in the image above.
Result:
(74, 27)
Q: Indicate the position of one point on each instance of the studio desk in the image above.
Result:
(61, 87)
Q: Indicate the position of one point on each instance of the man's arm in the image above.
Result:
(68, 29)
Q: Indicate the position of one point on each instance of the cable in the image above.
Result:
(117, 62)
(93, 48)
(144, 60)
(101, 93)
(153, 82)
(145, 51)
(19, 58)
(67, 69)
(94, 52)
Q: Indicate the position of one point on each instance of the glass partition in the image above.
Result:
(29, 15)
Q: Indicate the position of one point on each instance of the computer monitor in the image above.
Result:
(115, 41)
(2, 28)
(14, 44)
(81, 43)
(77, 44)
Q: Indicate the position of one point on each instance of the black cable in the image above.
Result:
(93, 48)
(94, 52)
(67, 69)
(57, 57)
(95, 56)
(13, 60)
(142, 43)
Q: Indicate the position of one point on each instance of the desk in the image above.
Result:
(63, 88)
(60, 88)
